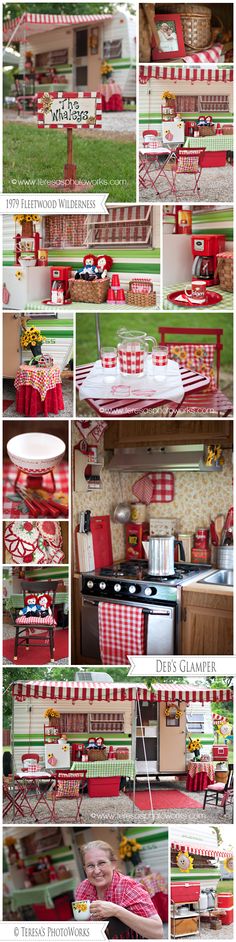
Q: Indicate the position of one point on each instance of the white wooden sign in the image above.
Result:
(69, 110)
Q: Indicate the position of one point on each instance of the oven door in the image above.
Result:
(159, 628)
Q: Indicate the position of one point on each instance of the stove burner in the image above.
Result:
(139, 570)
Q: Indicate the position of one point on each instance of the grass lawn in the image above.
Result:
(86, 347)
(33, 158)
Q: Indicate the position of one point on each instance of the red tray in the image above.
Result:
(212, 298)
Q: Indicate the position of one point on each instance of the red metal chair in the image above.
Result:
(206, 401)
(68, 786)
(187, 161)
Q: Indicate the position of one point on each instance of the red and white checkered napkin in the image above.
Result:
(209, 55)
(121, 632)
(155, 488)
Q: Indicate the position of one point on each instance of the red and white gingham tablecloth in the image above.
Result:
(12, 503)
(121, 632)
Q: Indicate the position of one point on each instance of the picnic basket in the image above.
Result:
(225, 270)
(92, 292)
(96, 755)
(206, 131)
(196, 23)
(138, 296)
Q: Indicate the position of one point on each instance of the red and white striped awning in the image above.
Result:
(96, 692)
(31, 23)
(169, 693)
(73, 691)
(203, 851)
(191, 73)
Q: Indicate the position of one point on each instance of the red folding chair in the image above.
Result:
(202, 402)
(187, 161)
(68, 787)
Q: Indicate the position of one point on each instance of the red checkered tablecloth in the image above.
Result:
(13, 506)
(121, 632)
(192, 382)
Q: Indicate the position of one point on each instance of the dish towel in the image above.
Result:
(121, 632)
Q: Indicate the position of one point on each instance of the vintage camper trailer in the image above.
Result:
(150, 727)
(197, 862)
(73, 47)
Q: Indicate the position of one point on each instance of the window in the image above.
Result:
(113, 49)
(73, 723)
(214, 103)
(187, 103)
(81, 48)
(81, 76)
(55, 57)
(106, 722)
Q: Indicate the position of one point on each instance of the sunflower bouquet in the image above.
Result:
(31, 337)
(129, 849)
(21, 217)
(194, 745)
(106, 69)
(50, 714)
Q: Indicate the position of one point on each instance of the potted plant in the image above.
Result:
(32, 339)
(27, 224)
(194, 746)
(129, 850)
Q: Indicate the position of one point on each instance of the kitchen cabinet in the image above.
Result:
(25, 285)
(206, 621)
(133, 432)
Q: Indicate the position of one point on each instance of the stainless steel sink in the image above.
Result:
(220, 577)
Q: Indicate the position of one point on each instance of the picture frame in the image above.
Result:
(171, 36)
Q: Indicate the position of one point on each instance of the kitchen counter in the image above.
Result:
(208, 588)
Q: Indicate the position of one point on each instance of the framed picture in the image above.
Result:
(168, 42)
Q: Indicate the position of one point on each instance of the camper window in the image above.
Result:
(211, 103)
(55, 57)
(73, 723)
(172, 721)
(81, 48)
(112, 50)
(81, 76)
(106, 722)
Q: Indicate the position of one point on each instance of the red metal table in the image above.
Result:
(38, 390)
(32, 795)
(149, 163)
(191, 380)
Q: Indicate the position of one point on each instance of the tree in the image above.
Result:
(12, 10)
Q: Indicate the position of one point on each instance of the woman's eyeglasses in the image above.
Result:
(100, 864)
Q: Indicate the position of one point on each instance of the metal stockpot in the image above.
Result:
(160, 554)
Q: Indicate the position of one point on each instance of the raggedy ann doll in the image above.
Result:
(44, 605)
(104, 263)
(31, 606)
(89, 270)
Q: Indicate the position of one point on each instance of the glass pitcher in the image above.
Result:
(132, 351)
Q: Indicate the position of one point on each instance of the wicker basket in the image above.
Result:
(227, 129)
(139, 299)
(225, 270)
(92, 292)
(196, 23)
(206, 132)
(96, 755)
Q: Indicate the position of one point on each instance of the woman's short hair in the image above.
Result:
(98, 844)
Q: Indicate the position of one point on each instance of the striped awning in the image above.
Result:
(104, 692)
(30, 23)
(73, 691)
(202, 851)
(190, 73)
(169, 693)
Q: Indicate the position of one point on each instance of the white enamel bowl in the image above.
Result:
(47, 451)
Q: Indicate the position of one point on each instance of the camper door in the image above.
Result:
(87, 59)
(172, 748)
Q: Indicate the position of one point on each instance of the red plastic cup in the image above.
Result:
(115, 281)
(111, 296)
(120, 296)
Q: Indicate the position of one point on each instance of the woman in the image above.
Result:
(114, 896)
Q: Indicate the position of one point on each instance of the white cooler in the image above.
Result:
(60, 753)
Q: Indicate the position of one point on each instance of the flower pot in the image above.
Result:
(36, 350)
(135, 859)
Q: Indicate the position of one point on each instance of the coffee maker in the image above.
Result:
(59, 283)
(205, 249)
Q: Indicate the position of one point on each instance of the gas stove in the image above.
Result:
(131, 580)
